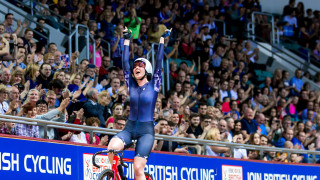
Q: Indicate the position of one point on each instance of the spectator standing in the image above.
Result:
(296, 82)
(133, 22)
(117, 46)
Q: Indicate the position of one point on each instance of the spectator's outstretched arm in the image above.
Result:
(18, 27)
(270, 105)
(218, 149)
(174, 51)
(51, 114)
(88, 87)
(158, 146)
(74, 57)
(115, 45)
(24, 26)
(191, 70)
(204, 133)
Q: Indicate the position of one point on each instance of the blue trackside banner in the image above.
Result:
(32, 159)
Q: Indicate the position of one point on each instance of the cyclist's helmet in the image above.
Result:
(148, 67)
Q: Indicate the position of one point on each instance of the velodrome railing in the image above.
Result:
(50, 124)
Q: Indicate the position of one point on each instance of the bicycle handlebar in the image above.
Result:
(109, 151)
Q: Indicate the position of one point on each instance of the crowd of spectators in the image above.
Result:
(216, 97)
(302, 26)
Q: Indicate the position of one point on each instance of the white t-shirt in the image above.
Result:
(4, 106)
(223, 94)
(252, 58)
(234, 94)
(240, 153)
(292, 21)
(210, 152)
(110, 91)
(83, 139)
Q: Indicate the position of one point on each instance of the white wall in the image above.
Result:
(276, 6)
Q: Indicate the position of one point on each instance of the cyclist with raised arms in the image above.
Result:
(143, 85)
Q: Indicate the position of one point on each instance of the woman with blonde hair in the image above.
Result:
(186, 112)
(214, 113)
(75, 85)
(17, 77)
(31, 74)
(59, 74)
(214, 135)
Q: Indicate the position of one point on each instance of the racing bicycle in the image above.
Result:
(114, 173)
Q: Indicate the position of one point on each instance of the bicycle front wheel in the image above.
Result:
(106, 174)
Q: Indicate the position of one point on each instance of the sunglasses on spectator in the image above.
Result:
(139, 64)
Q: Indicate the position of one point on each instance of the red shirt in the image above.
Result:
(103, 71)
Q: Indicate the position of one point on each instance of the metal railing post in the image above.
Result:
(91, 137)
(273, 35)
(31, 7)
(70, 44)
(109, 49)
(253, 26)
(70, 27)
(278, 35)
(168, 74)
(170, 145)
(88, 43)
(261, 154)
(224, 28)
(45, 131)
(232, 152)
(205, 148)
(77, 38)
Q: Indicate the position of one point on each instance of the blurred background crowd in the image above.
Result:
(215, 92)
